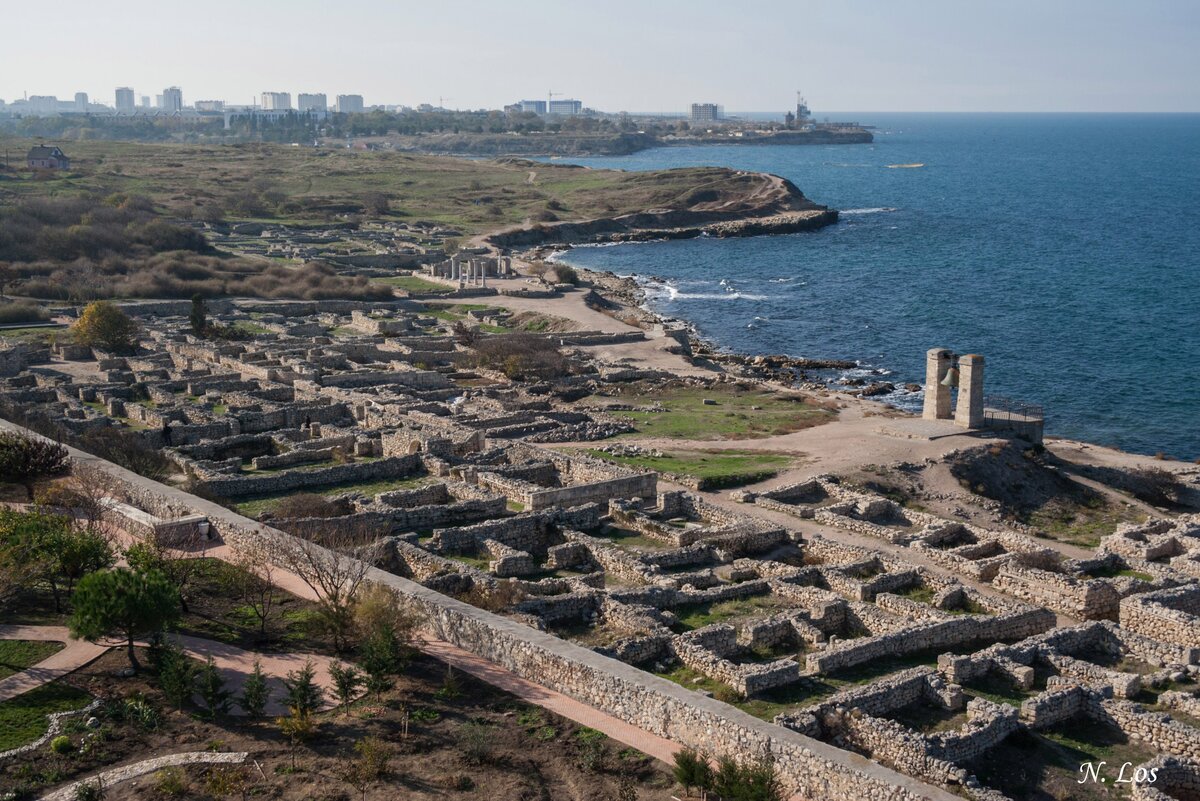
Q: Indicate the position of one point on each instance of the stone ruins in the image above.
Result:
(742, 625)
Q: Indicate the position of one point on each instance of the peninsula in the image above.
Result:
(412, 504)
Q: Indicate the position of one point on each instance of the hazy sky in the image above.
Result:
(649, 55)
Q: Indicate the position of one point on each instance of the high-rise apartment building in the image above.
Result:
(350, 104)
(566, 107)
(312, 102)
(124, 98)
(172, 99)
(705, 112)
(276, 101)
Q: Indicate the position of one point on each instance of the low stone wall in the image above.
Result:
(1171, 615)
(1094, 599)
(292, 480)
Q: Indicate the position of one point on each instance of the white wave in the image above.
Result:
(871, 210)
(677, 295)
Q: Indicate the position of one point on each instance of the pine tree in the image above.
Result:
(347, 680)
(255, 693)
(301, 692)
(213, 692)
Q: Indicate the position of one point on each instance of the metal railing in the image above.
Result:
(999, 409)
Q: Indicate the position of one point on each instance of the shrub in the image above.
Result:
(62, 745)
(21, 313)
(171, 782)
(90, 791)
(475, 741)
(522, 356)
(213, 691)
(307, 504)
(176, 675)
(137, 711)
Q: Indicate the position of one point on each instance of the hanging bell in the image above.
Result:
(951, 379)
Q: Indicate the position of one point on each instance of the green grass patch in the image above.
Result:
(23, 719)
(17, 655)
(737, 412)
(715, 469)
(412, 283)
(696, 616)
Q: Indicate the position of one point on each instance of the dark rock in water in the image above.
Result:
(853, 382)
(878, 388)
(913, 387)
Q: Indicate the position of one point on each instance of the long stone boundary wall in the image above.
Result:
(807, 766)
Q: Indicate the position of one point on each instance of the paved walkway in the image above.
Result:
(235, 664)
(75, 655)
(551, 701)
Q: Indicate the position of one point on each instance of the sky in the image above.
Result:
(622, 55)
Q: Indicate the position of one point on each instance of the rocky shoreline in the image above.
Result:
(625, 298)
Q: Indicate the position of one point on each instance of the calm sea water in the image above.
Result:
(1065, 248)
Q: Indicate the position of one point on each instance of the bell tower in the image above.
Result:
(944, 371)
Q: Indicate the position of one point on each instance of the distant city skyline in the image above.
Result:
(926, 55)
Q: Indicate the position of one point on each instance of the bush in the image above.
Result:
(691, 769)
(62, 745)
(307, 504)
(171, 782)
(21, 313)
(522, 356)
(475, 740)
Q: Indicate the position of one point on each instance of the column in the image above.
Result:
(969, 413)
(937, 397)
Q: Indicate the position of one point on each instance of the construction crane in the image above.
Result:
(550, 99)
(442, 102)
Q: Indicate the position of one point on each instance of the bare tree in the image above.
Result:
(334, 569)
(256, 585)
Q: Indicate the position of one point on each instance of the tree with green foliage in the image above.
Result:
(176, 673)
(753, 781)
(24, 459)
(347, 680)
(71, 553)
(382, 658)
(299, 727)
(103, 325)
(691, 769)
(199, 315)
(301, 691)
(123, 602)
(255, 692)
(212, 690)
(369, 765)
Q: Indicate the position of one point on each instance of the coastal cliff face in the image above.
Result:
(618, 144)
(768, 204)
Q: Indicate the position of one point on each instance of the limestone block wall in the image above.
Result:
(1090, 599)
(1171, 615)
(1156, 729)
(1173, 778)
(292, 480)
(944, 634)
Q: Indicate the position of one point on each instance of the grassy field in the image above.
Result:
(735, 412)
(472, 196)
(17, 655)
(719, 468)
(23, 719)
(413, 283)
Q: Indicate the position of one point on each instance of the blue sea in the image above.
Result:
(1063, 247)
